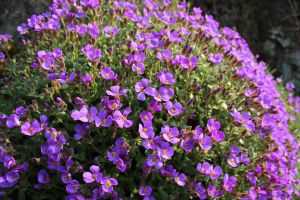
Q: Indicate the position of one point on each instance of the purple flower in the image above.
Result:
(212, 191)
(72, 187)
(229, 183)
(92, 53)
(244, 119)
(163, 94)
(154, 160)
(244, 158)
(13, 121)
(180, 179)
(80, 131)
(218, 136)
(86, 78)
(116, 92)
(174, 36)
(94, 30)
(81, 29)
(102, 119)
(146, 117)
(31, 129)
(81, 115)
(145, 190)
(111, 31)
(233, 161)
(139, 68)
(120, 165)
(114, 104)
(108, 183)
(212, 125)
(146, 132)
(108, 74)
(21, 111)
(216, 59)
(204, 168)
(11, 177)
(121, 119)
(170, 134)
(174, 109)
(166, 77)
(140, 87)
(187, 144)
(200, 191)
(165, 54)
(204, 141)
(93, 176)
(43, 177)
(165, 151)
(216, 172)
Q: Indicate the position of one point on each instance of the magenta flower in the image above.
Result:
(108, 74)
(108, 183)
(140, 87)
(165, 151)
(121, 119)
(174, 109)
(216, 172)
(93, 176)
(180, 179)
(170, 134)
(31, 129)
(43, 177)
(139, 68)
(166, 77)
(92, 53)
(116, 92)
(102, 119)
(145, 190)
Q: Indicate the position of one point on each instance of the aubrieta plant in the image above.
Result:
(141, 100)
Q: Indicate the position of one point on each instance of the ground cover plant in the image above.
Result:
(141, 100)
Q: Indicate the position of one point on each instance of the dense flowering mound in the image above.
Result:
(127, 100)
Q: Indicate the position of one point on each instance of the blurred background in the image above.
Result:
(271, 27)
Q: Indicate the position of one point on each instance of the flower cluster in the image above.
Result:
(168, 104)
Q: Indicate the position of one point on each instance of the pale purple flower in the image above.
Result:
(116, 92)
(229, 182)
(233, 161)
(140, 87)
(146, 117)
(108, 74)
(174, 109)
(165, 151)
(145, 190)
(146, 131)
(114, 104)
(92, 53)
(244, 119)
(216, 59)
(32, 128)
(111, 31)
(108, 184)
(170, 134)
(204, 168)
(103, 119)
(154, 160)
(81, 115)
(93, 176)
(166, 77)
(13, 121)
(139, 68)
(94, 30)
(212, 191)
(187, 144)
(121, 119)
(180, 179)
(218, 136)
(165, 54)
(216, 172)
(212, 125)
